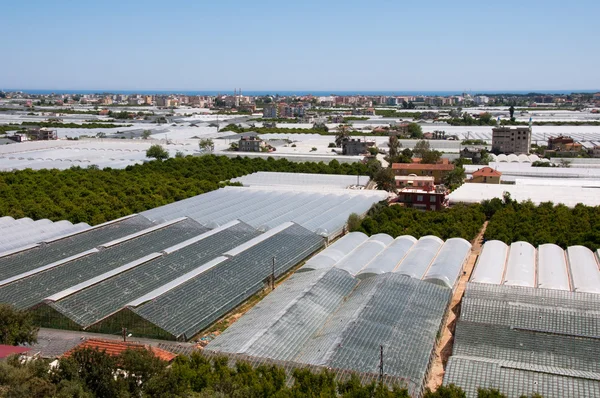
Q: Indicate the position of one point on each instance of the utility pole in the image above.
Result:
(124, 332)
(381, 364)
(273, 275)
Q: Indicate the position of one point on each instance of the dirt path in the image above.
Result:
(443, 349)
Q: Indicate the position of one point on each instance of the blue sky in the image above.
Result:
(301, 45)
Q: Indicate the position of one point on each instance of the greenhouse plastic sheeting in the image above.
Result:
(449, 262)
(525, 340)
(389, 259)
(102, 299)
(420, 256)
(265, 178)
(58, 250)
(317, 318)
(584, 269)
(365, 253)
(30, 291)
(520, 265)
(552, 268)
(335, 252)
(267, 207)
(195, 304)
(491, 263)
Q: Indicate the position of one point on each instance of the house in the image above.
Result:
(250, 144)
(430, 197)
(438, 171)
(355, 147)
(558, 143)
(486, 175)
(42, 134)
(415, 181)
(115, 348)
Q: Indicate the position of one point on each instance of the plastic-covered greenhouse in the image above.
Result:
(524, 340)
(449, 262)
(265, 178)
(417, 261)
(575, 269)
(25, 232)
(389, 259)
(267, 207)
(348, 301)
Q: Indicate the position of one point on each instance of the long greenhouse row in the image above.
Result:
(168, 280)
(352, 298)
(428, 258)
(526, 340)
(24, 232)
(325, 213)
(302, 180)
(550, 267)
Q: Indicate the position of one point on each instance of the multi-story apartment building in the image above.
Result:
(511, 140)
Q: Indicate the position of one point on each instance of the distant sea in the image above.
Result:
(316, 93)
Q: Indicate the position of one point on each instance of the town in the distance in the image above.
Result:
(345, 245)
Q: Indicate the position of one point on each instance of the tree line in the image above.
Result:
(94, 196)
(137, 372)
(463, 221)
(511, 221)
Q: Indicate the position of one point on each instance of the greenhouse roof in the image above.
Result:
(325, 212)
(524, 340)
(549, 267)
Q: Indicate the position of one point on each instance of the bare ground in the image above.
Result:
(443, 350)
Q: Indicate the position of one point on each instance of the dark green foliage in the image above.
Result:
(385, 179)
(546, 223)
(90, 373)
(16, 327)
(459, 221)
(157, 152)
(455, 177)
(96, 196)
(485, 393)
(450, 391)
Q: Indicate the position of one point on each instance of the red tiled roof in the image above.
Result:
(421, 166)
(487, 172)
(8, 350)
(114, 348)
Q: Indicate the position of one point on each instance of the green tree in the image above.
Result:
(16, 326)
(146, 134)
(421, 148)
(455, 177)
(157, 152)
(431, 157)
(450, 391)
(206, 144)
(511, 110)
(139, 366)
(394, 146)
(353, 222)
(343, 132)
(415, 130)
(491, 393)
(179, 155)
(385, 179)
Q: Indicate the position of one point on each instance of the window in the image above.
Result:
(432, 198)
(419, 198)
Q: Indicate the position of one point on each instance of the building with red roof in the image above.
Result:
(486, 175)
(115, 347)
(438, 171)
(8, 350)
